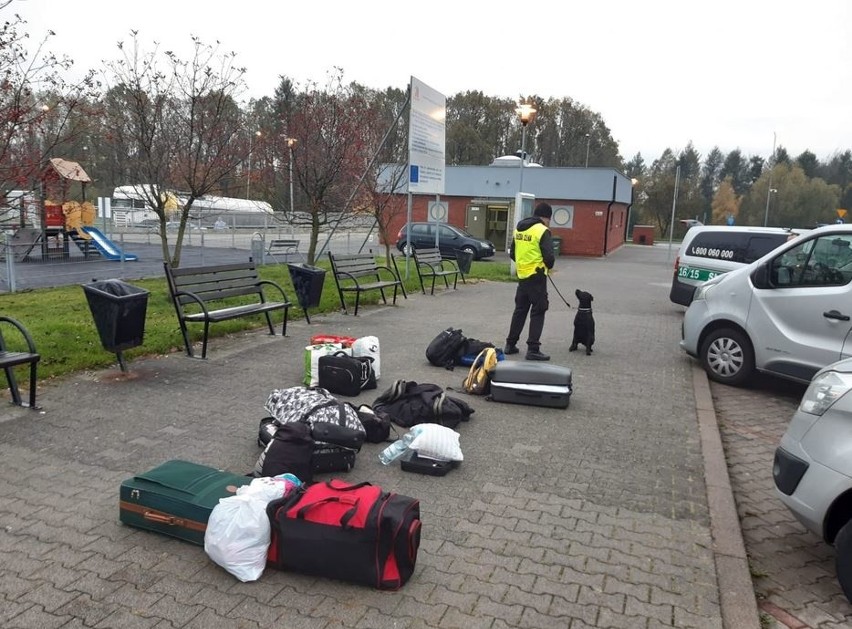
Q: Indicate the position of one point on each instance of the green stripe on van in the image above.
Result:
(696, 273)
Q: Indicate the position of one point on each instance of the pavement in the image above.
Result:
(616, 512)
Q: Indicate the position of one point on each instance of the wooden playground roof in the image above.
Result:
(69, 170)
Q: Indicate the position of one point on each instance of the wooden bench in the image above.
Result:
(283, 247)
(359, 273)
(193, 289)
(10, 359)
(429, 263)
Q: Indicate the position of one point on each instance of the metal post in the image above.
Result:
(290, 143)
(769, 189)
(10, 263)
(248, 171)
(588, 141)
(674, 206)
(523, 156)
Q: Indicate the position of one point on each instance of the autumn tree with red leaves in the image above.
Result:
(39, 108)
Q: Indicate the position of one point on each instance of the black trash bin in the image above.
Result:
(464, 260)
(307, 282)
(119, 312)
(557, 246)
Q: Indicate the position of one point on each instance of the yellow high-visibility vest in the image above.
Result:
(528, 250)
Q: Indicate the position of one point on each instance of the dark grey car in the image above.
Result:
(451, 240)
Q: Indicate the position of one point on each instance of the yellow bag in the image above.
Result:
(478, 380)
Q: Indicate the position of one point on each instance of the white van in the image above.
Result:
(788, 314)
(710, 250)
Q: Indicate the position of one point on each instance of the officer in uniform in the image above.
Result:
(532, 251)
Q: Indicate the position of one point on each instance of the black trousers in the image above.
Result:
(530, 297)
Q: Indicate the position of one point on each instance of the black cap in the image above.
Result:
(543, 210)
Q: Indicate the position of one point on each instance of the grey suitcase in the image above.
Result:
(533, 384)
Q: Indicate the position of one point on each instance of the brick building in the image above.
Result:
(591, 205)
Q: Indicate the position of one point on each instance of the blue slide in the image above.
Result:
(107, 247)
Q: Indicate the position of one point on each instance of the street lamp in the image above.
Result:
(291, 142)
(771, 189)
(526, 114)
(588, 141)
(248, 171)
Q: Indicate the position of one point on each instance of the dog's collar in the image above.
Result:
(584, 309)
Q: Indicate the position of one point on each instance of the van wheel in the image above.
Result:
(727, 357)
(843, 559)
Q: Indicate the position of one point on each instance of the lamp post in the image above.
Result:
(291, 142)
(248, 171)
(526, 114)
(588, 141)
(771, 189)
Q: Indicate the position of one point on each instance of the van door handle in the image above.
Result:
(833, 314)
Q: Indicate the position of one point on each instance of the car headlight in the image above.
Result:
(482, 243)
(824, 390)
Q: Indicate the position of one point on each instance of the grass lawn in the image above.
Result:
(61, 324)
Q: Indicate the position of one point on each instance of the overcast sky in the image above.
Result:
(727, 73)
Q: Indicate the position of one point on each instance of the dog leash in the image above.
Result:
(557, 290)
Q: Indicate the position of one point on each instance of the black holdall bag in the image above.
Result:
(346, 375)
(445, 348)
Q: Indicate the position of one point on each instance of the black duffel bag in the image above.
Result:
(346, 375)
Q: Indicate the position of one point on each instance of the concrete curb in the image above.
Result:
(736, 590)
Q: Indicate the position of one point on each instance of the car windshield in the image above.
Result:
(460, 231)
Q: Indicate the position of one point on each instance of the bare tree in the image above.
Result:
(179, 126)
(38, 106)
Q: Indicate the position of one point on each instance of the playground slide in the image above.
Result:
(107, 247)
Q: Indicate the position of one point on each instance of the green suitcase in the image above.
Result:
(176, 498)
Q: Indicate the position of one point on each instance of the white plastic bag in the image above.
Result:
(369, 346)
(238, 536)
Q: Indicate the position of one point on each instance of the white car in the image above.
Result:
(788, 314)
(813, 468)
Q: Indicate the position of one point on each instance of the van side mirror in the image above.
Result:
(760, 276)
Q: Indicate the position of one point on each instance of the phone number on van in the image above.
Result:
(692, 273)
(710, 252)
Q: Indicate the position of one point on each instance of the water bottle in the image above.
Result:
(396, 449)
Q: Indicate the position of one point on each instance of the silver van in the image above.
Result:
(788, 314)
(710, 250)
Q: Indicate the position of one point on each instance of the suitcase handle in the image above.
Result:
(344, 519)
(161, 518)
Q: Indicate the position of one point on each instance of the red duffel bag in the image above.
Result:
(358, 533)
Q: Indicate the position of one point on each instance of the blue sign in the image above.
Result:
(414, 174)
(730, 220)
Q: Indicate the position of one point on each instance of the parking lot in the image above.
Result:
(792, 569)
(597, 516)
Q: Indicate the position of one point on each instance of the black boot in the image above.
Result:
(535, 354)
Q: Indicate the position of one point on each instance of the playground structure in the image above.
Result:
(63, 221)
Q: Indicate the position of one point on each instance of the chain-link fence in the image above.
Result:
(27, 260)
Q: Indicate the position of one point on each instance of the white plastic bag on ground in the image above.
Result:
(369, 346)
(238, 536)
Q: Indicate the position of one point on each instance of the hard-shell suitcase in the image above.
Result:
(176, 498)
(533, 384)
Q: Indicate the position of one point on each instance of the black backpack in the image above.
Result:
(291, 449)
(446, 348)
(408, 404)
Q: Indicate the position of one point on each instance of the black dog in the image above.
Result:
(584, 323)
